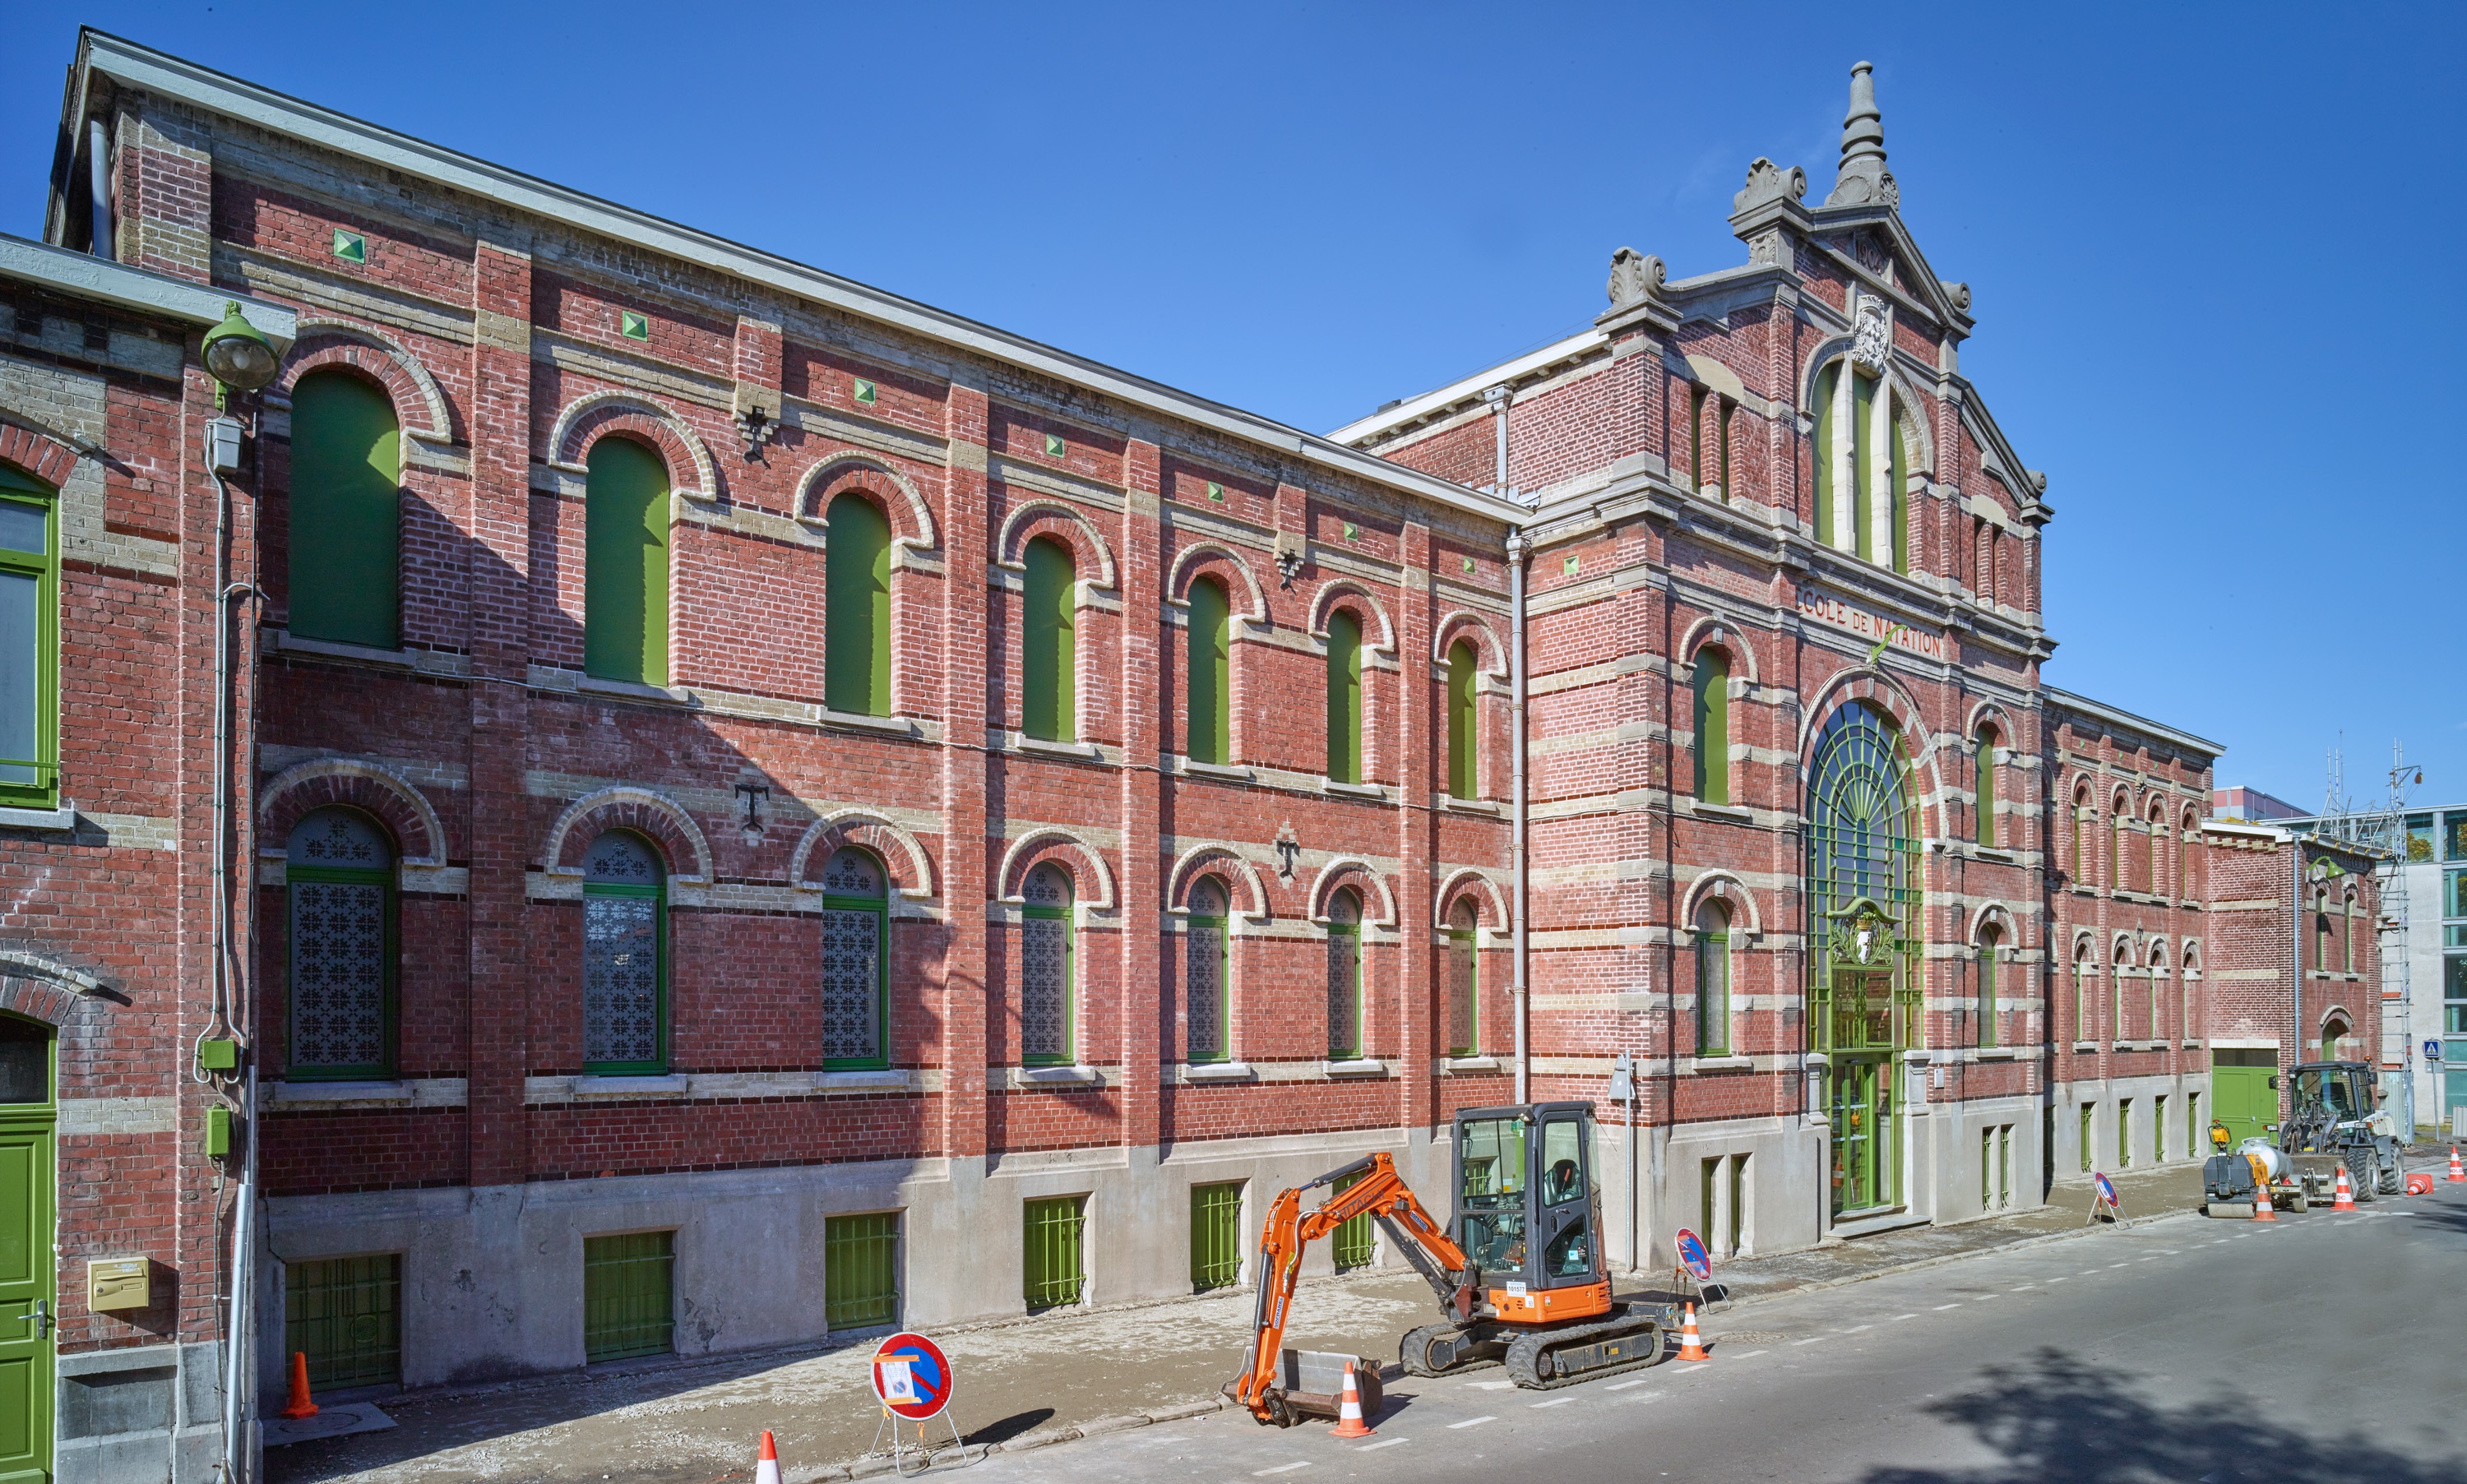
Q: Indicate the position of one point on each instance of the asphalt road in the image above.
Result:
(2326, 1347)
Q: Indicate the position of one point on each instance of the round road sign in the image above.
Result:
(2106, 1189)
(1691, 1252)
(911, 1377)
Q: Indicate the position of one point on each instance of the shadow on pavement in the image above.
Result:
(1011, 1426)
(2056, 1421)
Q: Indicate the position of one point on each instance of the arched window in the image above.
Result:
(2157, 873)
(1464, 773)
(1990, 1020)
(2320, 931)
(1207, 1018)
(2122, 855)
(625, 955)
(1210, 672)
(1345, 975)
(2082, 1030)
(2085, 868)
(345, 511)
(1862, 467)
(2184, 985)
(1982, 764)
(339, 879)
(1049, 977)
(2347, 928)
(2186, 855)
(2117, 1028)
(856, 961)
(1712, 979)
(856, 607)
(30, 643)
(1712, 683)
(2156, 976)
(1464, 983)
(625, 563)
(1344, 697)
(1863, 875)
(1048, 663)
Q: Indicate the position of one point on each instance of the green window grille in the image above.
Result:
(1820, 461)
(1206, 1018)
(344, 1314)
(1983, 773)
(628, 1295)
(856, 962)
(1465, 774)
(860, 1270)
(1048, 971)
(1215, 1236)
(1863, 869)
(1464, 983)
(1712, 685)
(339, 889)
(1344, 697)
(1056, 1233)
(625, 563)
(345, 511)
(1352, 1243)
(30, 643)
(1048, 667)
(1713, 979)
(624, 956)
(1211, 670)
(2086, 1110)
(856, 608)
(1344, 977)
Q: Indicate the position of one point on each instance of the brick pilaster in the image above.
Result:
(1146, 652)
(968, 857)
(1418, 695)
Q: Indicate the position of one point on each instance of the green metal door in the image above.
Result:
(1215, 1236)
(343, 1314)
(1052, 1231)
(2241, 1095)
(25, 1304)
(1863, 1135)
(860, 1270)
(628, 1295)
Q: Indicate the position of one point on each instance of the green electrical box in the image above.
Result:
(219, 1055)
(217, 1140)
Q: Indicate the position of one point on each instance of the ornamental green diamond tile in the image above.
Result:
(1053, 446)
(632, 326)
(351, 246)
(865, 392)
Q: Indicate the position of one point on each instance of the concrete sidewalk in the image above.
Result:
(1020, 1384)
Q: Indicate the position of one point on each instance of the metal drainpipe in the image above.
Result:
(2295, 968)
(1517, 550)
(99, 186)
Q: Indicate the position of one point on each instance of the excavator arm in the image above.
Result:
(1381, 1193)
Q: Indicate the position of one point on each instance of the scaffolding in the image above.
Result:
(2378, 829)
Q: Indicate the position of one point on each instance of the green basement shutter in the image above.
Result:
(856, 608)
(345, 512)
(1465, 775)
(1982, 772)
(860, 1270)
(1344, 697)
(1215, 1236)
(343, 1314)
(1047, 664)
(29, 644)
(1713, 726)
(1827, 383)
(1863, 476)
(628, 1295)
(625, 563)
(1210, 673)
(1352, 1243)
(1054, 1229)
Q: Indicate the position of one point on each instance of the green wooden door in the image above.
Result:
(2241, 1095)
(1863, 1135)
(26, 1299)
(628, 1295)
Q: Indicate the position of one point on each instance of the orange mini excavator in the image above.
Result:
(1519, 1268)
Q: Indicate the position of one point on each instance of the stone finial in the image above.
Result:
(1634, 277)
(1863, 177)
(1769, 182)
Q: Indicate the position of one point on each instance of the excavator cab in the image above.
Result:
(1527, 1209)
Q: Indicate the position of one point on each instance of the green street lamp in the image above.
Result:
(237, 355)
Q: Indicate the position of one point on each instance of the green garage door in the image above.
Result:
(2241, 1094)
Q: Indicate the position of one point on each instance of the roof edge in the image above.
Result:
(2121, 717)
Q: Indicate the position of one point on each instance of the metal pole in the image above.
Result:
(1517, 553)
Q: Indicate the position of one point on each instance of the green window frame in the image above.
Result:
(1713, 979)
(1344, 697)
(2081, 995)
(2185, 854)
(1344, 977)
(346, 536)
(1696, 438)
(1208, 668)
(1989, 940)
(625, 563)
(1982, 766)
(856, 607)
(1053, 1235)
(29, 643)
(1464, 983)
(1710, 683)
(1722, 444)
(2085, 868)
(2118, 972)
(2087, 1109)
(2159, 1128)
(1988, 1169)
(1206, 974)
(1464, 724)
(2157, 873)
(1862, 474)
(2121, 860)
(2192, 1123)
(630, 1302)
(343, 949)
(2347, 930)
(1352, 1244)
(1048, 666)
(856, 962)
(1215, 1236)
(860, 1270)
(2124, 1132)
(1827, 383)
(1898, 486)
(345, 1314)
(1048, 977)
(624, 915)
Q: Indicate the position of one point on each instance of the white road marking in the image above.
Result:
(1470, 1422)
(1382, 1443)
(2055, 1280)
(1942, 1308)
(1491, 1385)
(1285, 1467)
(1641, 1380)
(1555, 1402)
(1814, 1339)
(1748, 1355)
(1899, 1318)
(1854, 1329)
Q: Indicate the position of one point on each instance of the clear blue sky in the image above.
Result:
(2213, 252)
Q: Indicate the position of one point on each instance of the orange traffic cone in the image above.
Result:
(300, 1405)
(766, 1462)
(1348, 1411)
(2344, 1198)
(2458, 1171)
(1690, 1347)
(2261, 1211)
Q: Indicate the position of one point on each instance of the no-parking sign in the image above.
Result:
(911, 1377)
(1692, 1254)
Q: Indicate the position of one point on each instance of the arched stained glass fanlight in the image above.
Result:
(1863, 876)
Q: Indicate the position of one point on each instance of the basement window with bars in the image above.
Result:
(1353, 1243)
(628, 1295)
(344, 1314)
(1055, 1231)
(1215, 1236)
(860, 1270)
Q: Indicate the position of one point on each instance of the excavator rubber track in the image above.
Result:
(1549, 1359)
(1412, 1352)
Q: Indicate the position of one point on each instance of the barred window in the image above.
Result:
(1045, 969)
(1204, 977)
(1344, 977)
(856, 977)
(1464, 983)
(340, 883)
(624, 951)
